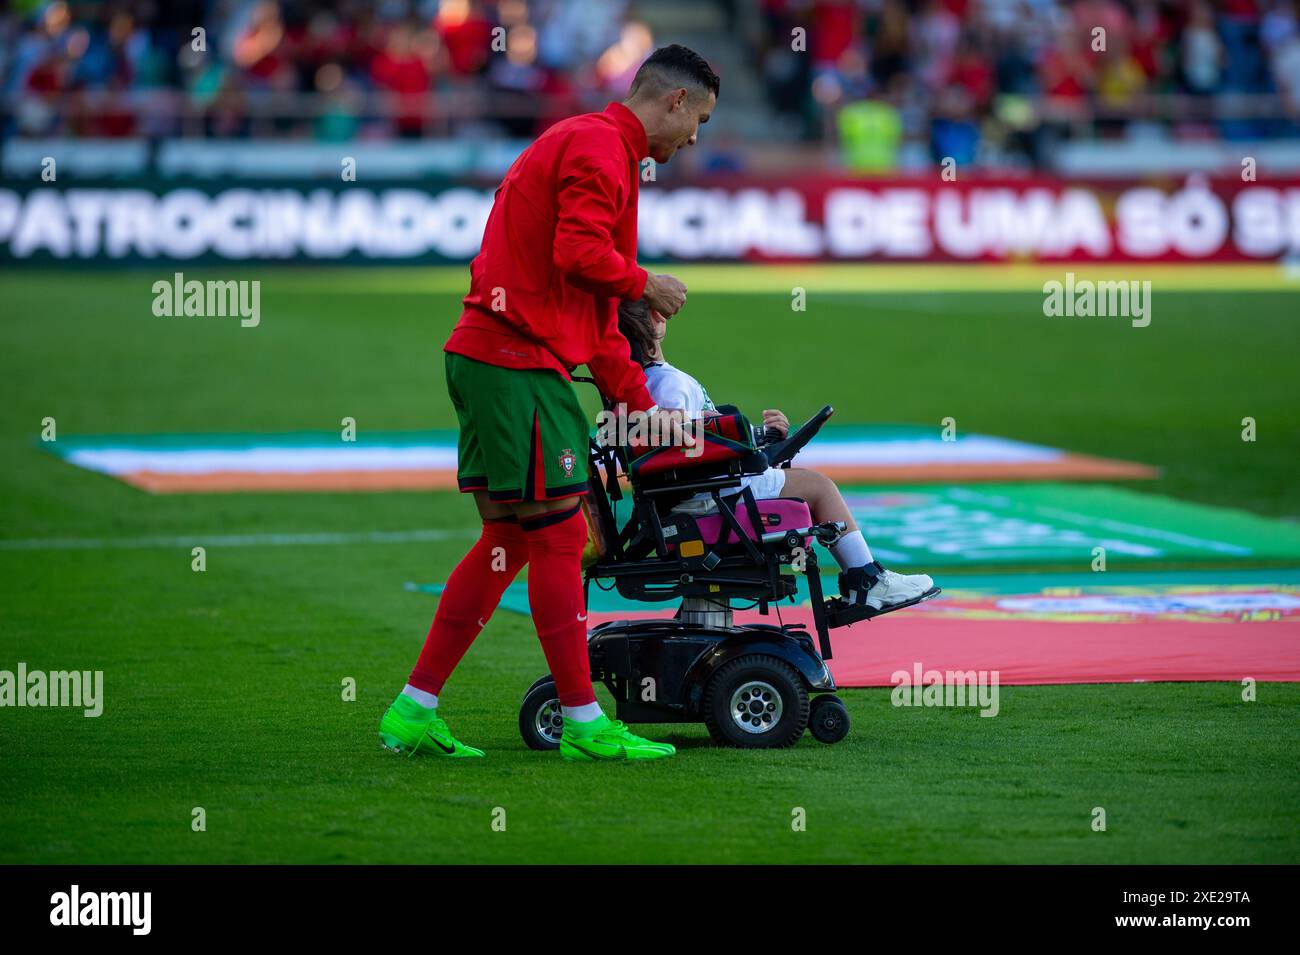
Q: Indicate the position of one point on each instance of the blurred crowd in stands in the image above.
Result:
(966, 76)
(1029, 70)
(378, 68)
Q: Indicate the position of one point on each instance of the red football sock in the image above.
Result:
(473, 591)
(555, 544)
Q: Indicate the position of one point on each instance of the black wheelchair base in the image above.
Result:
(752, 686)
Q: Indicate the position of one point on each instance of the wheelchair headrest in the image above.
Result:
(637, 352)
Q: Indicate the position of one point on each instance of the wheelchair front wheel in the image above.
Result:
(828, 719)
(540, 719)
(755, 702)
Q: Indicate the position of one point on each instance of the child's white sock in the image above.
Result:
(426, 699)
(851, 550)
(582, 714)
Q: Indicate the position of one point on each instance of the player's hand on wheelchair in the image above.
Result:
(775, 421)
(667, 427)
(664, 294)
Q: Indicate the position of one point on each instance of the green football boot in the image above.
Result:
(409, 728)
(603, 738)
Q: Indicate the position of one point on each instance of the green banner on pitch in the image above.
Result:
(929, 525)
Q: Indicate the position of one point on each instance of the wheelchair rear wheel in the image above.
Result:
(755, 702)
(540, 719)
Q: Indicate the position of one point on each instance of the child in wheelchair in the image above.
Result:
(862, 581)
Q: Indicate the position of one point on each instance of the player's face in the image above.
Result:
(682, 126)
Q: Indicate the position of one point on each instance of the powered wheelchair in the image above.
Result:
(754, 685)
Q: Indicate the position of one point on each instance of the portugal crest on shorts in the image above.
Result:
(568, 461)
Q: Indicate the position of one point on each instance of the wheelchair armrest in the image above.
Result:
(670, 482)
(693, 487)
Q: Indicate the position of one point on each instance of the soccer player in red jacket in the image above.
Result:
(558, 255)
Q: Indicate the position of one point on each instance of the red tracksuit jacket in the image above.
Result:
(558, 254)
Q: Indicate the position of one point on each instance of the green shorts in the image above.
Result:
(523, 435)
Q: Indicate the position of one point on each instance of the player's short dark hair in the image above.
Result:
(637, 327)
(674, 66)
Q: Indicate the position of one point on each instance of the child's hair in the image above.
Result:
(638, 328)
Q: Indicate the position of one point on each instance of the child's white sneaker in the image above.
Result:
(873, 586)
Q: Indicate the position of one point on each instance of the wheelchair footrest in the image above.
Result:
(841, 614)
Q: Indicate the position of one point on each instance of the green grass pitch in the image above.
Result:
(223, 689)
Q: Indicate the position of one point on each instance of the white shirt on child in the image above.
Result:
(671, 387)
